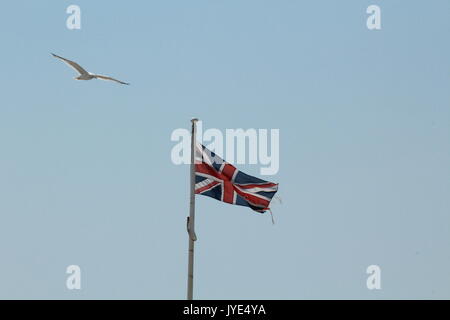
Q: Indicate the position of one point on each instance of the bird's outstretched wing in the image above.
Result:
(98, 76)
(72, 64)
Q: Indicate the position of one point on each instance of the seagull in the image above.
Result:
(84, 75)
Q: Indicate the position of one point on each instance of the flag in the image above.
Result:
(222, 181)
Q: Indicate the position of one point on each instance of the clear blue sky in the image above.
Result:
(364, 119)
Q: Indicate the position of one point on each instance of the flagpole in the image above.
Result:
(191, 218)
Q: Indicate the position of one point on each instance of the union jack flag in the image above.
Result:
(220, 180)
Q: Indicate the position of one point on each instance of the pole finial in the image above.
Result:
(193, 120)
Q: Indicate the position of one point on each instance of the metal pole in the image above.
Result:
(191, 218)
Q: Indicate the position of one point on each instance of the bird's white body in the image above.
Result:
(88, 76)
(84, 75)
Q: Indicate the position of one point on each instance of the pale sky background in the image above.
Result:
(364, 119)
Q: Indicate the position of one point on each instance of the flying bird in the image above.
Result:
(84, 75)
